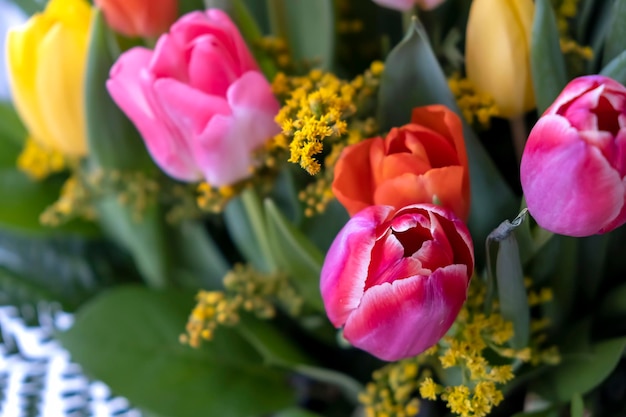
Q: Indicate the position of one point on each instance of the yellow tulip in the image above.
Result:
(497, 53)
(46, 59)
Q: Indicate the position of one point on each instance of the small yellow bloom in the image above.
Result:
(46, 59)
(498, 53)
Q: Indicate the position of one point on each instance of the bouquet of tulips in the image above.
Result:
(306, 208)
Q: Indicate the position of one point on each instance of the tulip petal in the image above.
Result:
(217, 77)
(447, 184)
(219, 147)
(347, 263)
(402, 319)
(63, 52)
(353, 182)
(563, 176)
(22, 47)
(130, 86)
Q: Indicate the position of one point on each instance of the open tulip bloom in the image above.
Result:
(396, 280)
(372, 223)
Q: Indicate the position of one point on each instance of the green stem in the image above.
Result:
(256, 216)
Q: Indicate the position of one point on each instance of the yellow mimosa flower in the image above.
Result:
(497, 53)
(46, 59)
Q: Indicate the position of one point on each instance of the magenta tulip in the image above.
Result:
(573, 170)
(405, 5)
(199, 99)
(396, 280)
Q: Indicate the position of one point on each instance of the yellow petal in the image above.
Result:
(498, 53)
(22, 44)
(59, 83)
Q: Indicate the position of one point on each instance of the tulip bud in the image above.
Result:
(497, 53)
(143, 18)
(395, 281)
(46, 59)
(574, 162)
(198, 99)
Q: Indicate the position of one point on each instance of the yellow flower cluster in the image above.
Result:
(566, 10)
(315, 112)
(474, 337)
(213, 199)
(392, 391)
(38, 162)
(246, 290)
(478, 108)
(132, 188)
(74, 202)
(321, 115)
(278, 50)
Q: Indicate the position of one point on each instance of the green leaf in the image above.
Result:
(581, 371)
(546, 59)
(615, 41)
(616, 68)
(245, 221)
(505, 266)
(296, 255)
(30, 7)
(414, 78)
(577, 408)
(322, 229)
(11, 128)
(128, 338)
(308, 26)
(143, 236)
(114, 143)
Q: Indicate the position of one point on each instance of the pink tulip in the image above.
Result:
(198, 99)
(405, 5)
(573, 170)
(395, 281)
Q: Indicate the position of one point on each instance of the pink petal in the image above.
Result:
(223, 149)
(347, 263)
(402, 319)
(211, 67)
(168, 59)
(130, 87)
(570, 188)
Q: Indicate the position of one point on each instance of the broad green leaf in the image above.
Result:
(505, 267)
(577, 408)
(296, 255)
(11, 128)
(245, 222)
(581, 371)
(546, 59)
(278, 350)
(128, 338)
(597, 30)
(143, 235)
(114, 143)
(616, 68)
(414, 78)
(615, 41)
(186, 6)
(308, 26)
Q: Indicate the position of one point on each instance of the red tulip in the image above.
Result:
(142, 18)
(396, 280)
(573, 170)
(421, 162)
